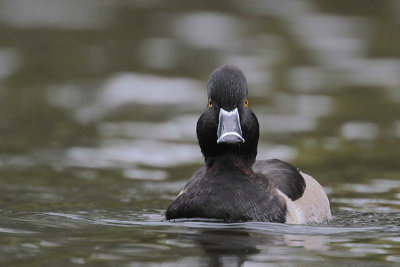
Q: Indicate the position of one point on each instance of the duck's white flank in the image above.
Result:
(312, 207)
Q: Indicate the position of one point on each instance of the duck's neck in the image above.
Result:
(243, 164)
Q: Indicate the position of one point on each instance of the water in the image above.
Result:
(98, 106)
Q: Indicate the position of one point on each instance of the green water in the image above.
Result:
(99, 102)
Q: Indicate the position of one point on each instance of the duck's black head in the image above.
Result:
(228, 130)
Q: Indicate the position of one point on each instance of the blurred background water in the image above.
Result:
(98, 105)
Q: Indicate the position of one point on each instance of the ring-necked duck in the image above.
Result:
(232, 186)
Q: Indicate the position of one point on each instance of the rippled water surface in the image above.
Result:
(98, 107)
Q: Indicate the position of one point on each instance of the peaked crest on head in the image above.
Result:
(228, 84)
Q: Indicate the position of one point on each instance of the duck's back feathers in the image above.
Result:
(284, 176)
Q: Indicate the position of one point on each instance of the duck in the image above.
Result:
(233, 186)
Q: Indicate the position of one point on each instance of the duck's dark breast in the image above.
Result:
(233, 198)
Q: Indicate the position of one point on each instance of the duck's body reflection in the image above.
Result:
(241, 246)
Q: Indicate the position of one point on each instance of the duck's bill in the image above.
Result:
(229, 129)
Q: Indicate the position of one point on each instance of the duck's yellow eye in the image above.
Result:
(209, 103)
(246, 102)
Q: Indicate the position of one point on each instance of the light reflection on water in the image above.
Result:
(119, 153)
(244, 242)
(124, 89)
(98, 116)
(60, 14)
